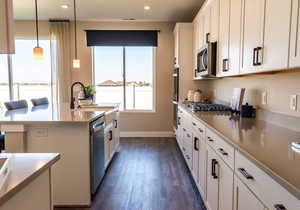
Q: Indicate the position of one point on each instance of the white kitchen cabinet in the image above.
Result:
(295, 35)
(244, 199)
(116, 131)
(219, 183)
(196, 148)
(229, 37)
(206, 25)
(211, 21)
(196, 41)
(265, 36)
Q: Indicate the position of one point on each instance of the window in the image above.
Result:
(28, 78)
(31, 78)
(124, 75)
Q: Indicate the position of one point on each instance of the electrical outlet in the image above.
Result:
(264, 98)
(293, 102)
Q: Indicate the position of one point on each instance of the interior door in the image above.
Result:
(223, 41)
(212, 180)
(244, 199)
(275, 47)
(295, 35)
(252, 34)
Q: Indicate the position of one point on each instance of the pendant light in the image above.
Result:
(76, 61)
(38, 52)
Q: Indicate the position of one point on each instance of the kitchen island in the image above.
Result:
(56, 128)
(28, 177)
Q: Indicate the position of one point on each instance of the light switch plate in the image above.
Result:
(264, 98)
(293, 102)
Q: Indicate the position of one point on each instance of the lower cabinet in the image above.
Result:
(244, 199)
(219, 183)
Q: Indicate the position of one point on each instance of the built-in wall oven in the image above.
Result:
(207, 61)
(175, 76)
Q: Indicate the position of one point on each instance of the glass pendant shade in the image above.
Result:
(76, 63)
(38, 53)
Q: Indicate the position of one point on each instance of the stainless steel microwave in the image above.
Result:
(207, 61)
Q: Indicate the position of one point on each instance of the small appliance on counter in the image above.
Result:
(248, 111)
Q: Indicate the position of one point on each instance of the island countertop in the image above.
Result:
(23, 169)
(268, 145)
(52, 113)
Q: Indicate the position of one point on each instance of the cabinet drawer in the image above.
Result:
(272, 194)
(222, 148)
(198, 127)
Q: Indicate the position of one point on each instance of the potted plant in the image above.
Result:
(89, 92)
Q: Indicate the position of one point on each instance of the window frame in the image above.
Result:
(154, 53)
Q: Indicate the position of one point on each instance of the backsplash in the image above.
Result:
(278, 86)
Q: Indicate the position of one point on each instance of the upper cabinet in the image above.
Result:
(265, 35)
(7, 45)
(229, 37)
(253, 35)
(295, 35)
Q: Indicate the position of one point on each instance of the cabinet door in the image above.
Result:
(202, 174)
(111, 143)
(176, 46)
(295, 35)
(223, 41)
(214, 20)
(275, 47)
(225, 187)
(234, 37)
(244, 199)
(106, 149)
(196, 148)
(206, 24)
(212, 180)
(201, 31)
(196, 40)
(252, 33)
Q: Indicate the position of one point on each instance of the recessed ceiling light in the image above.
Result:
(147, 7)
(65, 6)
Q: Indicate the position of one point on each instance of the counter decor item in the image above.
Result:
(89, 93)
(190, 95)
(237, 99)
(248, 111)
(197, 96)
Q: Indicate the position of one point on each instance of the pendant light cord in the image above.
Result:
(36, 24)
(75, 29)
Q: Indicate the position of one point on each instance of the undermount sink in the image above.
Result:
(96, 108)
(4, 170)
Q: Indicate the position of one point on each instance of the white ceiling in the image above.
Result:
(161, 10)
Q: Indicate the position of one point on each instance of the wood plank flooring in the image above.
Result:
(147, 174)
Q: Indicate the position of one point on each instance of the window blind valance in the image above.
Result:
(121, 38)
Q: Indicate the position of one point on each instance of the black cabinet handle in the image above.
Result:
(195, 144)
(279, 207)
(225, 65)
(245, 173)
(210, 139)
(258, 49)
(194, 124)
(201, 131)
(188, 135)
(116, 123)
(222, 151)
(214, 164)
(254, 56)
(184, 129)
(110, 135)
(212, 167)
(207, 37)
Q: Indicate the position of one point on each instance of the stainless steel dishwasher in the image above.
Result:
(97, 153)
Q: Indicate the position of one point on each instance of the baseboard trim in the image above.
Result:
(147, 134)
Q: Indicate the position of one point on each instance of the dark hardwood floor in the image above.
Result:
(147, 174)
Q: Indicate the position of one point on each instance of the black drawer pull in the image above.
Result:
(188, 135)
(195, 144)
(222, 151)
(245, 173)
(279, 207)
(188, 157)
(210, 139)
(194, 124)
(201, 131)
(184, 129)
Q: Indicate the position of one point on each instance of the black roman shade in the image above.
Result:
(121, 38)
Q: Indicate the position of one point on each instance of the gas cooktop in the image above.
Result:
(210, 107)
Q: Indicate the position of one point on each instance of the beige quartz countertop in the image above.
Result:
(23, 169)
(266, 144)
(52, 113)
